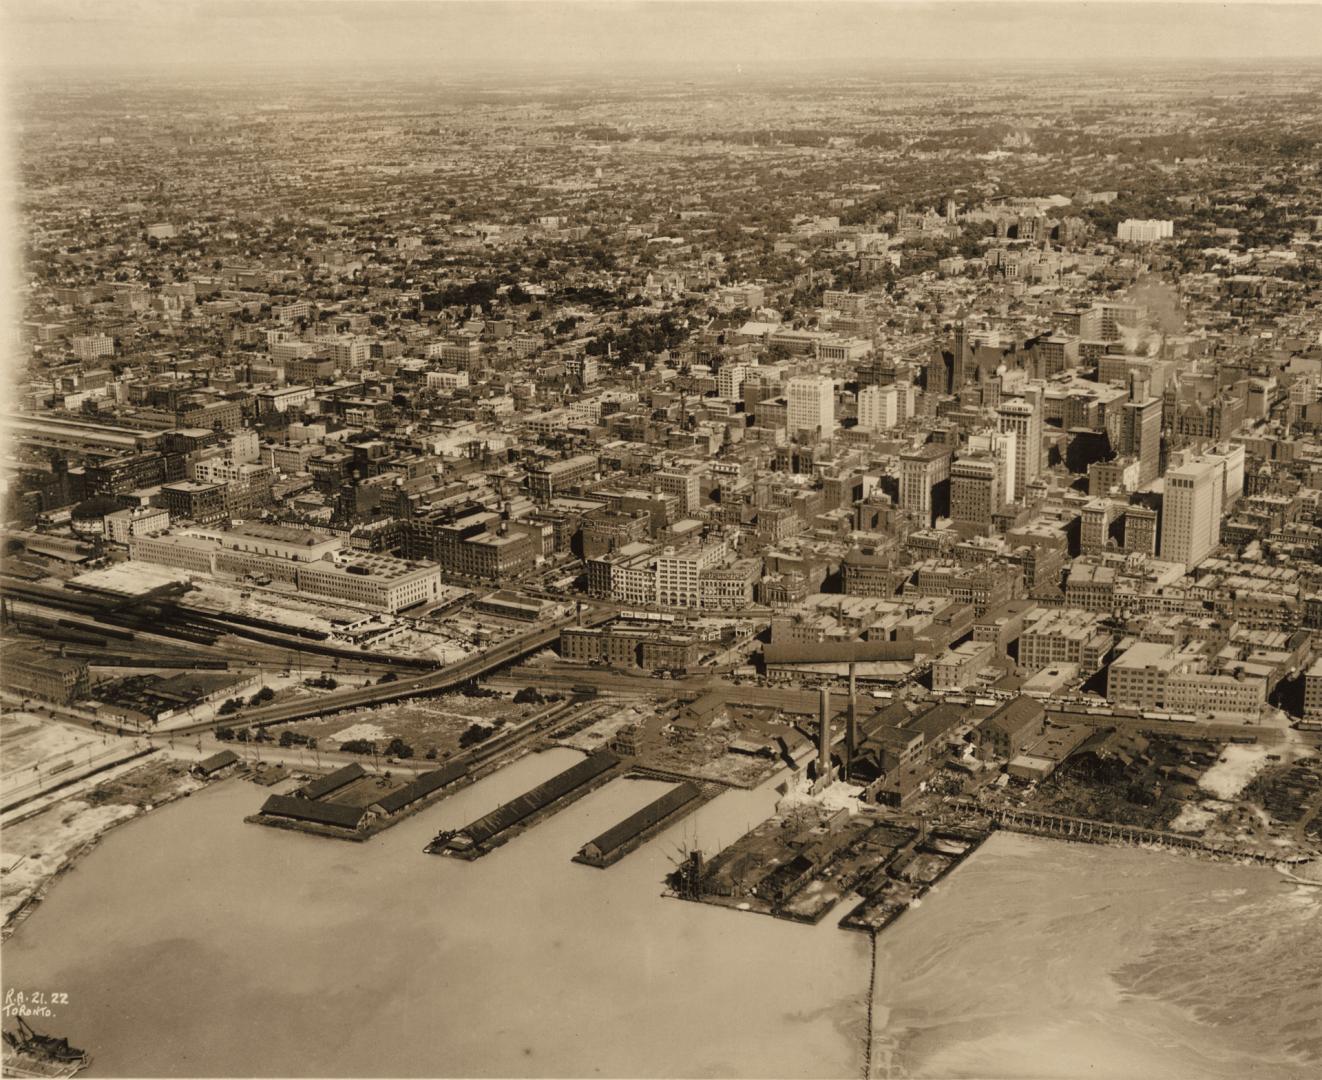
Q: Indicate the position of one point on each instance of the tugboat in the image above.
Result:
(30, 1054)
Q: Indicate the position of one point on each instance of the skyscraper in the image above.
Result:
(730, 381)
(1022, 418)
(921, 472)
(1002, 446)
(1095, 526)
(977, 487)
(878, 407)
(963, 357)
(977, 491)
(810, 405)
(1191, 510)
(1140, 433)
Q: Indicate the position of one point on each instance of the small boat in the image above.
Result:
(29, 1053)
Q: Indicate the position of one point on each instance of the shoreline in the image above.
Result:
(1073, 830)
(881, 1051)
(38, 891)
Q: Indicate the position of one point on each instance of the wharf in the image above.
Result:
(634, 831)
(326, 807)
(892, 891)
(1091, 831)
(510, 819)
(347, 804)
(792, 867)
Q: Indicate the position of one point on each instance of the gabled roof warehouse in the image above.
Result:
(530, 802)
(420, 788)
(645, 818)
(216, 762)
(333, 781)
(321, 813)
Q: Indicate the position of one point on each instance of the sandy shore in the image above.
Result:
(40, 848)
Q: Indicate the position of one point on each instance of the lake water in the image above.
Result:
(192, 944)
(1038, 958)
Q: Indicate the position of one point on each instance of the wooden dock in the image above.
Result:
(1090, 831)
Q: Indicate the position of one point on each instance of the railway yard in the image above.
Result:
(352, 736)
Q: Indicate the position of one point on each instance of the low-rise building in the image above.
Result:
(959, 668)
(1063, 636)
(121, 526)
(1011, 728)
(51, 678)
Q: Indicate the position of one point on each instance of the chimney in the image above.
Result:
(824, 735)
(851, 731)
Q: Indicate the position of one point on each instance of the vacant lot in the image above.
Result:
(424, 724)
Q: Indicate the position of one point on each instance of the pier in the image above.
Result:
(347, 805)
(1089, 831)
(635, 830)
(506, 821)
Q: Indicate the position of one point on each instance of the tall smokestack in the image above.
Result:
(824, 735)
(851, 730)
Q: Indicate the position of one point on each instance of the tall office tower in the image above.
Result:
(1191, 510)
(1082, 323)
(1095, 526)
(683, 484)
(876, 371)
(878, 407)
(963, 357)
(1000, 445)
(1141, 530)
(730, 381)
(1022, 418)
(921, 471)
(977, 484)
(810, 405)
(1116, 316)
(1232, 454)
(1140, 434)
(759, 386)
(906, 397)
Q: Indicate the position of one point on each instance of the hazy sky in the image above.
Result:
(644, 36)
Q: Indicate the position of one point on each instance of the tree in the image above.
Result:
(398, 748)
(474, 734)
(358, 746)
